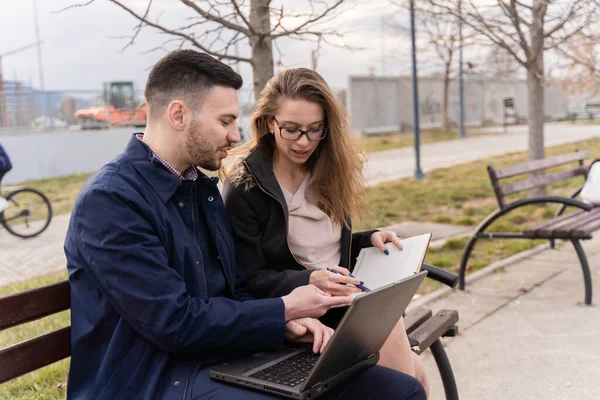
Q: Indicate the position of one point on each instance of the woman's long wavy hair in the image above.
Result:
(336, 166)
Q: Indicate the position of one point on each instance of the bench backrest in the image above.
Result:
(531, 182)
(40, 351)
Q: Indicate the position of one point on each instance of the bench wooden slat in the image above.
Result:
(539, 165)
(584, 219)
(531, 232)
(33, 304)
(588, 228)
(536, 181)
(555, 223)
(415, 318)
(564, 228)
(567, 230)
(432, 329)
(36, 353)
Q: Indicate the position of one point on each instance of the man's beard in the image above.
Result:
(200, 150)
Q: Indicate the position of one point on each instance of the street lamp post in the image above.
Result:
(418, 172)
(44, 96)
(461, 130)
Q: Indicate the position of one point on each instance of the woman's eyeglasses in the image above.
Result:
(293, 133)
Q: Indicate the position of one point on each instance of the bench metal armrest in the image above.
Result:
(524, 202)
(567, 201)
(440, 275)
(571, 196)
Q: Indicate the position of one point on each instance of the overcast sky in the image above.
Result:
(79, 53)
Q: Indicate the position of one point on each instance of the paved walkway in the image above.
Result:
(25, 258)
(400, 163)
(524, 333)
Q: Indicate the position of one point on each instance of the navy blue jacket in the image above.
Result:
(145, 317)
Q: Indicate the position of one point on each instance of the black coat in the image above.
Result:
(258, 213)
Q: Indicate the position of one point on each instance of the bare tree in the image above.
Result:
(526, 29)
(440, 32)
(217, 26)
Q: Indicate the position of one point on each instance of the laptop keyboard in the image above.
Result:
(290, 372)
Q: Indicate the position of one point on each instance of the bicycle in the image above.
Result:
(27, 214)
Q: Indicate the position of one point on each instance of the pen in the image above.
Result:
(361, 286)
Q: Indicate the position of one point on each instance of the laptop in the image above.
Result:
(296, 372)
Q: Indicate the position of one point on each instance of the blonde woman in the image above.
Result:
(291, 193)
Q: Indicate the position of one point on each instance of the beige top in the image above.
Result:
(313, 239)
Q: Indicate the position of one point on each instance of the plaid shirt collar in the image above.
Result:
(190, 174)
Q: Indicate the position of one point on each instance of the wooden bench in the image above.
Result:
(424, 328)
(576, 226)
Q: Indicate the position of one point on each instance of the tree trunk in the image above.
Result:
(261, 44)
(535, 89)
(445, 123)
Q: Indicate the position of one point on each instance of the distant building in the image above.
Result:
(384, 104)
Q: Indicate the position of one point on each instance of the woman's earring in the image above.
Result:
(271, 132)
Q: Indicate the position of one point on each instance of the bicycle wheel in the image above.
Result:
(28, 213)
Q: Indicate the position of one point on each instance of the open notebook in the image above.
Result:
(376, 269)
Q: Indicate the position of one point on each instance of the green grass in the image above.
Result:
(373, 143)
(579, 121)
(459, 195)
(462, 195)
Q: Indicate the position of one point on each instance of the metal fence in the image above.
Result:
(24, 109)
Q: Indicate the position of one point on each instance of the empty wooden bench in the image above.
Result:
(424, 328)
(576, 226)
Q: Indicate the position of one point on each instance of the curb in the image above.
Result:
(478, 275)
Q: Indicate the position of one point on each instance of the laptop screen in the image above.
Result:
(365, 328)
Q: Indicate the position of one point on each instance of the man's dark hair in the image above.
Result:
(186, 74)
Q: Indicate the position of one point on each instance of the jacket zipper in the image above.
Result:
(187, 381)
(282, 209)
(350, 251)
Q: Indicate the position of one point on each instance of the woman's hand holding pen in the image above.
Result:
(341, 283)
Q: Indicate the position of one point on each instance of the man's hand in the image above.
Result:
(310, 301)
(335, 284)
(308, 330)
(378, 239)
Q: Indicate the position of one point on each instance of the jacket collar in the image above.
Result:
(152, 170)
(260, 164)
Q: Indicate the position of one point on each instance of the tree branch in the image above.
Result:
(215, 18)
(74, 6)
(516, 20)
(187, 37)
(297, 30)
(478, 23)
(138, 28)
(524, 5)
(564, 21)
(242, 16)
(590, 16)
